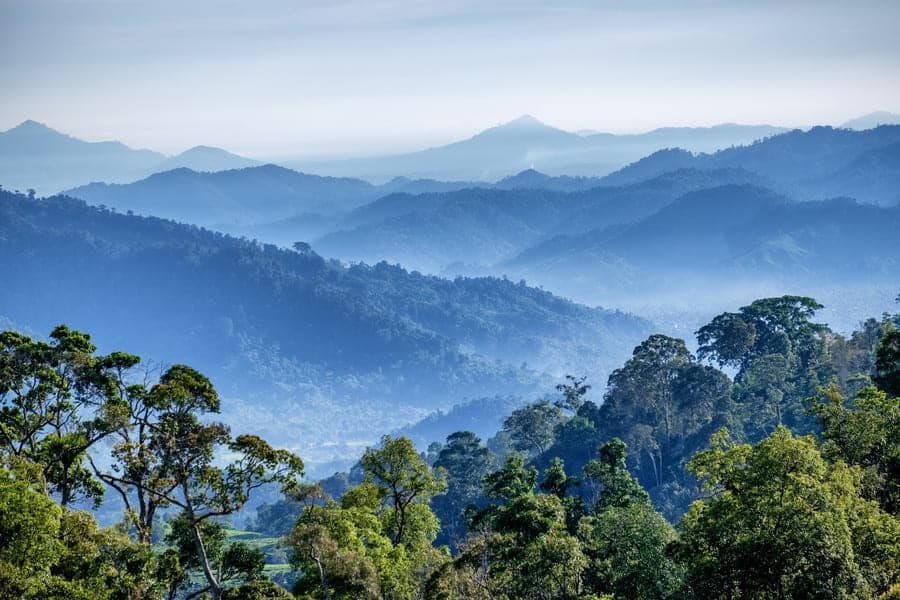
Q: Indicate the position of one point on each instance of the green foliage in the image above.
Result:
(257, 590)
(57, 399)
(378, 541)
(628, 551)
(784, 522)
(405, 480)
(609, 483)
(522, 547)
(531, 428)
(767, 326)
(865, 433)
(887, 363)
(465, 461)
(29, 530)
(51, 552)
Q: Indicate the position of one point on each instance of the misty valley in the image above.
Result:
(232, 379)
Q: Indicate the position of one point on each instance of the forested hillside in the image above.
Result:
(481, 227)
(324, 351)
(728, 233)
(809, 165)
(779, 479)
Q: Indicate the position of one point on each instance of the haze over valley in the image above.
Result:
(395, 300)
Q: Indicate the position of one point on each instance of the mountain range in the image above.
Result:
(312, 353)
(527, 143)
(556, 231)
(734, 236)
(34, 156)
(805, 165)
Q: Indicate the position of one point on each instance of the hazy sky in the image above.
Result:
(292, 77)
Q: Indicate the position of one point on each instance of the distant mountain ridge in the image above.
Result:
(206, 159)
(36, 156)
(527, 143)
(729, 236)
(482, 226)
(806, 165)
(33, 155)
(872, 120)
(244, 196)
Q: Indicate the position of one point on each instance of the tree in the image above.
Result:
(334, 546)
(172, 462)
(229, 562)
(29, 529)
(466, 461)
(780, 356)
(404, 478)
(558, 483)
(628, 551)
(865, 433)
(344, 550)
(640, 403)
(784, 523)
(519, 546)
(142, 461)
(573, 391)
(57, 399)
(47, 551)
(608, 481)
(532, 427)
(887, 363)
(767, 326)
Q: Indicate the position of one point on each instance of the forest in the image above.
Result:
(305, 347)
(764, 465)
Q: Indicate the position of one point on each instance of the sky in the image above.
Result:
(278, 78)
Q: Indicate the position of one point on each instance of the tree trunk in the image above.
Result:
(215, 589)
(322, 579)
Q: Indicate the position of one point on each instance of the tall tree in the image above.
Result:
(531, 427)
(783, 522)
(172, 461)
(57, 399)
(405, 479)
(767, 326)
(640, 404)
(625, 539)
(887, 363)
(466, 461)
(865, 433)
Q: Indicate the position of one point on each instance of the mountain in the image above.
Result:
(805, 165)
(468, 230)
(33, 155)
(532, 179)
(267, 202)
(873, 175)
(310, 353)
(872, 120)
(206, 159)
(527, 143)
(249, 196)
(726, 240)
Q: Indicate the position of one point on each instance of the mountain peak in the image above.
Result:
(30, 126)
(525, 121)
(203, 149)
(872, 120)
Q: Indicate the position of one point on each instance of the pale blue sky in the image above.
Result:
(289, 77)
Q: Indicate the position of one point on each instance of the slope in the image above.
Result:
(318, 352)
